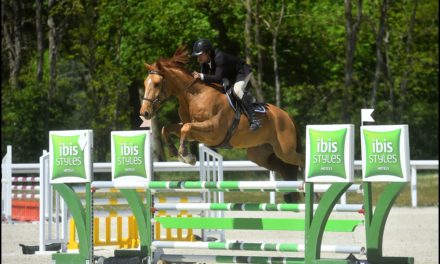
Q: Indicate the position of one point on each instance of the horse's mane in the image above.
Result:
(179, 61)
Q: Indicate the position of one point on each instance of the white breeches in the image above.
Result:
(240, 86)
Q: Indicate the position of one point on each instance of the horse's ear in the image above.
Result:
(148, 66)
(159, 65)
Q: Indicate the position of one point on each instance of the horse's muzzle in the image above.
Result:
(146, 111)
(147, 115)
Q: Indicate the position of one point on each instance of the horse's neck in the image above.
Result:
(192, 91)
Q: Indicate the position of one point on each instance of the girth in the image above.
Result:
(231, 130)
(259, 107)
(235, 122)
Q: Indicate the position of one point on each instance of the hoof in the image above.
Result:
(189, 159)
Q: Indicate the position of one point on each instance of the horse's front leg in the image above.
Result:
(172, 129)
(188, 129)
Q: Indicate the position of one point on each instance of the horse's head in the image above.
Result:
(154, 94)
(157, 88)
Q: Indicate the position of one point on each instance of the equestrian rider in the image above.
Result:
(223, 68)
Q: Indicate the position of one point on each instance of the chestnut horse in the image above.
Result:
(206, 117)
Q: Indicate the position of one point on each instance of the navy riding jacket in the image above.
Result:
(224, 65)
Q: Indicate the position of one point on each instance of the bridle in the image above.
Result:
(157, 99)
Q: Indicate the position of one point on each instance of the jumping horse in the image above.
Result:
(206, 116)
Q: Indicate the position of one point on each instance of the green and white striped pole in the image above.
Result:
(249, 207)
(278, 247)
(228, 259)
(263, 186)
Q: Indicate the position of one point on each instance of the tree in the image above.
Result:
(351, 29)
(12, 23)
(53, 46)
(258, 45)
(40, 39)
(273, 25)
(256, 82)
(380, 35)
(408, 60)
(325, 64)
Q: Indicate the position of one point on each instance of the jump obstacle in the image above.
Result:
(385, 155)
(22, 194)
(115, 235)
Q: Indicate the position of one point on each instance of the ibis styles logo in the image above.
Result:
(382, 152)
(129, 156)
(68, 157)
(327, 153)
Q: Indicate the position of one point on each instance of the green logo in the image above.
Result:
(382, 153)
(327, 153)
(129, 156)
(68, 157)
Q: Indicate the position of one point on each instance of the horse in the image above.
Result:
(206, 116)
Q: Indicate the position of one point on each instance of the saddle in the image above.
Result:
(235, 103)
(236, 106)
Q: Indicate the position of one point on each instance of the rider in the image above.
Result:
(223, 68)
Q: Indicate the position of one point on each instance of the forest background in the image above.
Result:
(78, 64)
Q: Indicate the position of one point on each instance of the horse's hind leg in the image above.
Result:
(260, 155)
(288, 154)
(285, 145)
(289, 173)
(265, 157)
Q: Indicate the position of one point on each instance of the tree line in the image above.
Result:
(78, 64)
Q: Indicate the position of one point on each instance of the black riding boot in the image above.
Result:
(247, 102)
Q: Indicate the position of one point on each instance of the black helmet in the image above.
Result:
(201, 45)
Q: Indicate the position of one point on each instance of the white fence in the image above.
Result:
(9, 169)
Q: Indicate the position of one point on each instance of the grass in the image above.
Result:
(427, 192)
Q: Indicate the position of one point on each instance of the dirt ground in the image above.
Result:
(408, 232)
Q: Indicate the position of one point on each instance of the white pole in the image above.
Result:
(43, 193)
(414, 186)
(7, 183)
(65, 227)
(272, 179)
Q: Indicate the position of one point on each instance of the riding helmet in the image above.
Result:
(201, 45)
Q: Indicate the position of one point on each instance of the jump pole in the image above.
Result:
(251, 207)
